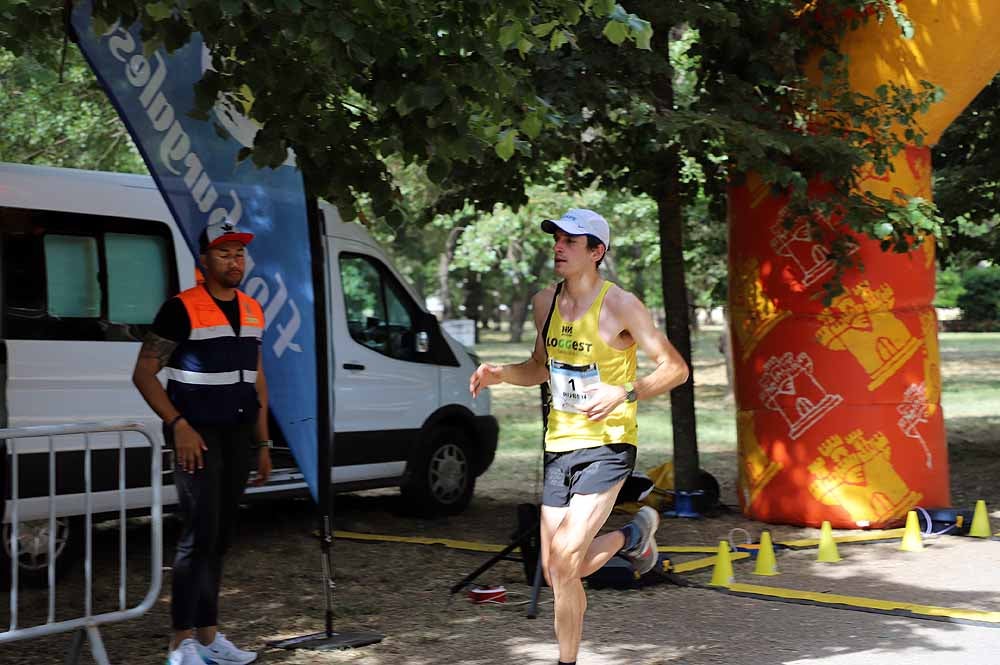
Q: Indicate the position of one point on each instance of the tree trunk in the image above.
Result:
(675, 293)
(639, 281)
(444, 273)
(692, 311)
(675, 298)
(610, 269)
(473, 300)
(518, 315)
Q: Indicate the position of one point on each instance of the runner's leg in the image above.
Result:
(601, 550)
(552, 517)
(567, 554)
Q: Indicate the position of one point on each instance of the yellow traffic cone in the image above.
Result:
(722, 573)
(827, 546)
(980, 521)
(766, 565)
(912, 540)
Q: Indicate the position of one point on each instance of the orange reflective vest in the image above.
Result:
(211, 376)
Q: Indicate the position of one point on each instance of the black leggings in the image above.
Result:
(209, 500)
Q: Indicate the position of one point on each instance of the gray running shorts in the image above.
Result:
(585, 471)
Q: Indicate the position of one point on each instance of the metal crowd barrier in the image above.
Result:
(86, 625)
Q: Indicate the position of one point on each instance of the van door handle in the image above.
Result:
(353, 366)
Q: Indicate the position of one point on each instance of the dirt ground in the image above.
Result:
(273, 587)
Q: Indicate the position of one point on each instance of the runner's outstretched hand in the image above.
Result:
(486, 375)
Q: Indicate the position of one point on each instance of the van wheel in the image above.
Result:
(439, 479)
(33, 550)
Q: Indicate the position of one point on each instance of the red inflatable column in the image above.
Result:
(839, 414)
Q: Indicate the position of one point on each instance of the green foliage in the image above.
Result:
(720, 105)
(980, 300)
(402, 112)
(511, 256)
(949, 288)
(885, 8)
(60, 123)
(351, 84)
(966, 182)
(514, 257)
(726, 103)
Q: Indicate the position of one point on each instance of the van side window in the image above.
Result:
(76, 277)
(138, 276)
(380, 313)
(71, 276)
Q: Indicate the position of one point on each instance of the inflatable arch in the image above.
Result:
(839, 407)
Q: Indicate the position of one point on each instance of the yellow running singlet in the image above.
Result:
(578, 359)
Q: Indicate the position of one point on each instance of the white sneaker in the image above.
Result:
(186, 653)
(223, 652)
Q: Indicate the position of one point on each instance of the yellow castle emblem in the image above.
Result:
(856, 473)
(932, 359)
(754, 313)
(861, 321)
(756, 468)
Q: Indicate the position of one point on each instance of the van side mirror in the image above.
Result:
(429, 342)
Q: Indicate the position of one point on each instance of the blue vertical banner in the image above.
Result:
(195, 167)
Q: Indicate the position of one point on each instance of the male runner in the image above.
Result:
(588, 330)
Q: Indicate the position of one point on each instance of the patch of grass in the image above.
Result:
(970, 375)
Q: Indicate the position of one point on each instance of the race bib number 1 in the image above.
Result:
(569, 384)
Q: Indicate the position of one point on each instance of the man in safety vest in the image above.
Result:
(588, 330)
(214, 409)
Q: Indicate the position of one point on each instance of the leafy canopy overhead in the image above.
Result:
(482, 95)
(60, 123)
(347, 84)
(734, 96)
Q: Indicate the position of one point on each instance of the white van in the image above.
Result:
(86, 259)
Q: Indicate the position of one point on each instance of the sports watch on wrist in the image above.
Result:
(267, 443)
(630, 394)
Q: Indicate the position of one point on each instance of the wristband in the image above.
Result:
(173, 423)
(267, 443)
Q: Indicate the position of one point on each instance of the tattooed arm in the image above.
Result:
(153, 357)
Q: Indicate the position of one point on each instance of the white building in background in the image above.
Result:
(462, 330)
(435, 306)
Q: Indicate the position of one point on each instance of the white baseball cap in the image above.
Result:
(579, 222)
(220, 232)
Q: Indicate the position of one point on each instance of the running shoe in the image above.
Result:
(644, 555)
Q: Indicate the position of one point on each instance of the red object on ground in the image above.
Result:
(479, 595)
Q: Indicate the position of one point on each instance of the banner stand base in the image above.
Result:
(331, 641)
